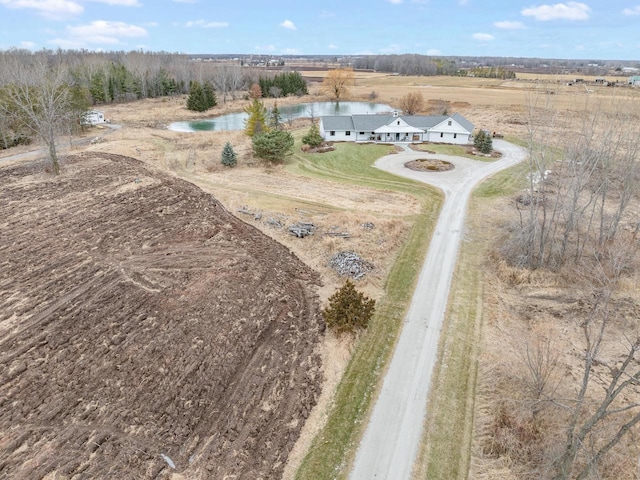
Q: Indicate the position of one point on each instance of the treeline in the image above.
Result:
(283, 84)
(92, 78)
(409, 64)
(414, 64)
(489, 72)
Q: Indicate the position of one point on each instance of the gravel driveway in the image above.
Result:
(392, 438)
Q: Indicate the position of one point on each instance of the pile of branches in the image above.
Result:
(350, 264)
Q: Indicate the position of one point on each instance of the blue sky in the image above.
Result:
(588, 30)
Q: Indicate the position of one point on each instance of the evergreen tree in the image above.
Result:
(256, 124)
(273, 146)
(478, 139)
(275, 121)
(196, 100)
(313, 137)
(348, 309)
(229, 156)
(487, 144)
(210, 99)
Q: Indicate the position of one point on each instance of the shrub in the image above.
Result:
(273, 145)
(348, 309)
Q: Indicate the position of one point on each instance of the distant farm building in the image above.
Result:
(394, 128)
(92, 117)
(634, 80)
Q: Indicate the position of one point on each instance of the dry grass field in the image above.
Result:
(282, 194)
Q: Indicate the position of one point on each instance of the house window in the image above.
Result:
(455, 135)
(441, 134)
(332, 133)
(361, 133)
(449, 123)
(348, 133)
(398, 122)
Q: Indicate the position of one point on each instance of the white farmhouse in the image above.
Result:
(395, 128)
(92, 117)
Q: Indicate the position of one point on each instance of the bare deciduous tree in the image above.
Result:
(38, 93)
(580, 183)
(338, 81)
(619, 404)
(412, 103)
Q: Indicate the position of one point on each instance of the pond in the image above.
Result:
(235, 121)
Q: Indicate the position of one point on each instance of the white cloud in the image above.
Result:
(333, 47)
(559, 11)
(101, 32)
(290, 51)
(56, 9)
(205, 24)
(434, 52)
(483, 37)
(288, 24)
(395, 2)
(508, 25)
(123, 3)
(631, 11)
(28, 45)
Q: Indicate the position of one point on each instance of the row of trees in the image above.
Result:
(283, 84)
(407, 64)
(488, 72)
(43, 94)
(577, 218)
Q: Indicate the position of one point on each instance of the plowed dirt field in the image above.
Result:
(144, 331)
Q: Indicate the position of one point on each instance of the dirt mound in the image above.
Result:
(143, 327)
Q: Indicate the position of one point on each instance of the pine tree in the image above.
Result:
(478, 139)
(313, 137)
(196, 100)
(256, 124)
(210, 99)
(348, 310)
(229, 156)
(273, 146)
(275, 122)
(487, 145)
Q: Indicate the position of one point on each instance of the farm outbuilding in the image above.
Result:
(92, 117)
(395, 128)
(634, 80)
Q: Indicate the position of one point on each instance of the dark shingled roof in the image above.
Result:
(369, 123)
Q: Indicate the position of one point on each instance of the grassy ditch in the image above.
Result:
(446, 444)
(334, 447)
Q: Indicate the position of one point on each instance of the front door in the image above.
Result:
(397, 137)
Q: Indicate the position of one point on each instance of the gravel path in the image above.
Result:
(392, 439)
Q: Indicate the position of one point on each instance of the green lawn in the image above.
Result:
(455, 150)
(333, 449)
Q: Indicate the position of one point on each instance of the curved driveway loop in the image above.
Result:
(391, 441)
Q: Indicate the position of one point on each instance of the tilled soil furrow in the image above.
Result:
(141, 319)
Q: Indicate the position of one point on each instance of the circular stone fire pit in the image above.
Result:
(429, 165)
